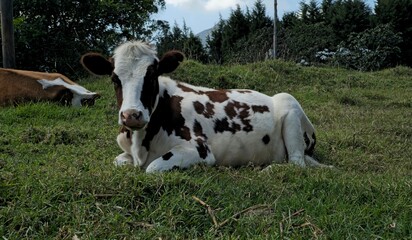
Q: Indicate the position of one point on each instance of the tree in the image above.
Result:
(303, 41)
(214, 42)
(244, 37)
(321, 26)
(183, 40)
(51, 35)
(235, 29)
(349, 16)
(310, 13)
(371, 50)
(398, 13)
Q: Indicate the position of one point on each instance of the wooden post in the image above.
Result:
(275, 30)
(7, 33)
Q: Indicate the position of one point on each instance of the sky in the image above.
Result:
(200, 15)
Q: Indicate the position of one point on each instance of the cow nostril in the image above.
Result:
(136, 115)
(130, 116)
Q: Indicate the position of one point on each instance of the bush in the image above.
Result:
(371, 50)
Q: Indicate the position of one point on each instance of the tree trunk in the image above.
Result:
(7, 33)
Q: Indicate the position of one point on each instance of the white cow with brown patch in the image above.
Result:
(168, 124)
(18, 86)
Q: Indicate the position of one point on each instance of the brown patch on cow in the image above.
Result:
(237, 109)
(117, 89)
(167, 116)
(217, 96)
(224, 125)
(197, 129)
(167, 156)
(234, 110)
(199, 107)
(186, 88)
(266, 139)
(207, 111)
(260, 109)
(202, 147)
(128, 132)
(150, 88)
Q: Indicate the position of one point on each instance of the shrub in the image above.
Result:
(371, 50)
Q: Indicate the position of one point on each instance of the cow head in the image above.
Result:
(134, 70)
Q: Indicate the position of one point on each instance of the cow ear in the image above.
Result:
(170, 61)
(95, 63)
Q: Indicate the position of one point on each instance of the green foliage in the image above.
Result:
(303, 41)
(51, 35)
(214, 43)
(244, 37)
(183, 40)
(398, 13)
(310, 13)
(346, 17)
(321, 26)
(371, 50)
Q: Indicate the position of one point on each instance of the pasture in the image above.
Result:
(57, 180)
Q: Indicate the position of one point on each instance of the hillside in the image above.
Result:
(57, 180)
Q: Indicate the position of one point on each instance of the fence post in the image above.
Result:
(7, 33)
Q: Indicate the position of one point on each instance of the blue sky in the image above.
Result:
(200, 15)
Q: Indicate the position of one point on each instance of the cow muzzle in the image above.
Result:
(132, 119)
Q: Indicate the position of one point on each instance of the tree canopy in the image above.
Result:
(51, 35)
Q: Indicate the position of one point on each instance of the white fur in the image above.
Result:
(131, 60)
(78, 91)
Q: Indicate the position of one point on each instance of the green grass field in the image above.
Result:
(57, 180)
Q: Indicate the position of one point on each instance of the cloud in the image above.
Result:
(205, 5)
(217, 5)
(186, 4)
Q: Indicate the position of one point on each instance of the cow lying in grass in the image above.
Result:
(169, 124)
(18, 86)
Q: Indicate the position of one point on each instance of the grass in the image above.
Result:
(57, 180)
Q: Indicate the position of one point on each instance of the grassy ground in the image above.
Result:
(57, 180)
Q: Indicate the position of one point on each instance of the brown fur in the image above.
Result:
(17, 86)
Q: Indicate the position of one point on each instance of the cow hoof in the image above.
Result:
(123, 159)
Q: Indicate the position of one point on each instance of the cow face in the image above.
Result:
(134, 70)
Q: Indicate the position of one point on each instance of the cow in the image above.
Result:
(167, 124)
(18, 86)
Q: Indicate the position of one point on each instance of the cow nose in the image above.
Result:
(132, 118)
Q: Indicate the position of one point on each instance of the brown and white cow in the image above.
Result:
(18, 86)
(169, 124)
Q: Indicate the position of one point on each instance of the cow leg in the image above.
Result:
(293, 138)
(125, 143)
(293, 135)
(123, 159)
(313, 163)
(180, 157)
